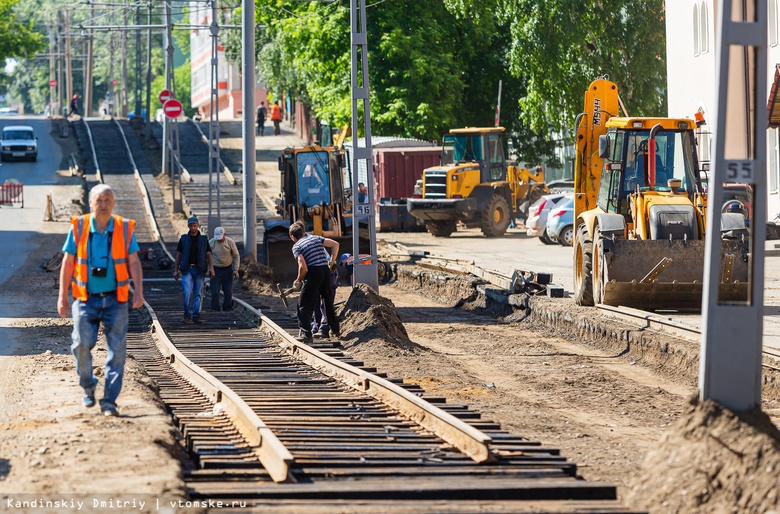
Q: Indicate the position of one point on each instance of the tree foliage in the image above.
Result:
(18, 37)
(559, 46)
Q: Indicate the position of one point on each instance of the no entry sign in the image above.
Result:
(165, 95)
(173, 108)
(52, 83)
(115, 82)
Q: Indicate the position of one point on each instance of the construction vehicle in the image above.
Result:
(312, 191)
(639, 212)
(475, 184)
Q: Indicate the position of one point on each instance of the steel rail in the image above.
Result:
(470, 441)
(94, 153)
(658, 323)
(270, 451)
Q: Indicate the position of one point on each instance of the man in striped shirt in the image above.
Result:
(313, 280)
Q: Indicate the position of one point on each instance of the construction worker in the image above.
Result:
(276, 117)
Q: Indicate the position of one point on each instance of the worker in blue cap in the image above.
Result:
(193, 262)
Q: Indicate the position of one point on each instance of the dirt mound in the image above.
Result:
(256, 278)
(367, 316)
(712, 461)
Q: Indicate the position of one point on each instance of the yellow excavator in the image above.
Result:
(639, 212)
(313, 191)
(476, 185)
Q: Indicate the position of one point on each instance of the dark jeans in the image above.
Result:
(320, 319)
(261, 128)
(223, 279)
(315, 285)
(277, 128)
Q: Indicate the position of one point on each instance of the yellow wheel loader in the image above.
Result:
(639, 212)
(476, 185)
(312, 191)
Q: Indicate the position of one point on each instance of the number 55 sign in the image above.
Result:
(739, 171)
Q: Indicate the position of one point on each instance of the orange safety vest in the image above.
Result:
(120, 246)
(276, 113)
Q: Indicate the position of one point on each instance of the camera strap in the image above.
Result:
(108, 249)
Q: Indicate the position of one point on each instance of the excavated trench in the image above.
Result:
(672, 357)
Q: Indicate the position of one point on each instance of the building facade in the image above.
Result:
(691, 51)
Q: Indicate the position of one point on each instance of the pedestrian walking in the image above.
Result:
(276, 117)
(101, 256)
(193, 262)
(224, 253)
(261, 115)
(74, 104)
(313, 280)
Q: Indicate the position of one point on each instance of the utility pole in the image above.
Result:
(123, 46)
(732, 335)
(60, 72)
(214, 171)
(112, 89)
(88, 88)
(248, 103)
(68, 60)
(52, 75)
(168, 53)
(365, 269)
(137, 110)
(149, 113)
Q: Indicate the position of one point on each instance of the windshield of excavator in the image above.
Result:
(461, 148)
(313, 178)
(674, 159)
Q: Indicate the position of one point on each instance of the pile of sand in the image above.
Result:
(712, 460)
(256, 278)
(367, 316)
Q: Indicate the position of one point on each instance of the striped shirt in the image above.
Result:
(311, 248)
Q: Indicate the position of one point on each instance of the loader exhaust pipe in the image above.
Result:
(651, 153)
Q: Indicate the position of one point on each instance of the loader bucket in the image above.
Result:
(660, 275)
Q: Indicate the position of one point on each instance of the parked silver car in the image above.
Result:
(560, 222)
(536, 224)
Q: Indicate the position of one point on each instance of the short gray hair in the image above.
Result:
(99, 190)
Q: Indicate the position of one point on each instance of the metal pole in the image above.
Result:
(137, 109)
(364, 272)
(88, 82)
(112, 89)
(60, 72)
(166, 169)
(52, 89)
(68, 60)
(730, 362)
(149, 78)
(214, 221)
(248, 104)
(123, 85)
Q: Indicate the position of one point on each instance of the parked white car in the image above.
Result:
(18, 142)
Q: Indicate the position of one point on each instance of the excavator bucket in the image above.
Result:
(668, 275)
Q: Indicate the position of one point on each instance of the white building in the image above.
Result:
(691, 77)
(228, 76)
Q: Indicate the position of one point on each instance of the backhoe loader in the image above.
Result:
(476, 185)
(312, 191)
(639, 212)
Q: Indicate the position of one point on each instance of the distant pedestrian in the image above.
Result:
(276, 117)
(101, 256)
(261, 115)
(192, 268)
(74, 104)
(226, 262)
(313, 280)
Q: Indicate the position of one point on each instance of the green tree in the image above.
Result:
(181, 86)
(559, 46)
(18, 37)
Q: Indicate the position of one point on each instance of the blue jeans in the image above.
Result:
(192, 289)
(222, 280)
(87, 317)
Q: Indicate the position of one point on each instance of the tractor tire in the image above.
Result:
(583, 267)
(495, 217)
(441, 228)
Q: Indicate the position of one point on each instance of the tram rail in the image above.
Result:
(267, 418)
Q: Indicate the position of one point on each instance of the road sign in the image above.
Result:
(173, 108)
(165, 95)
(114, 82)
(52, 83)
